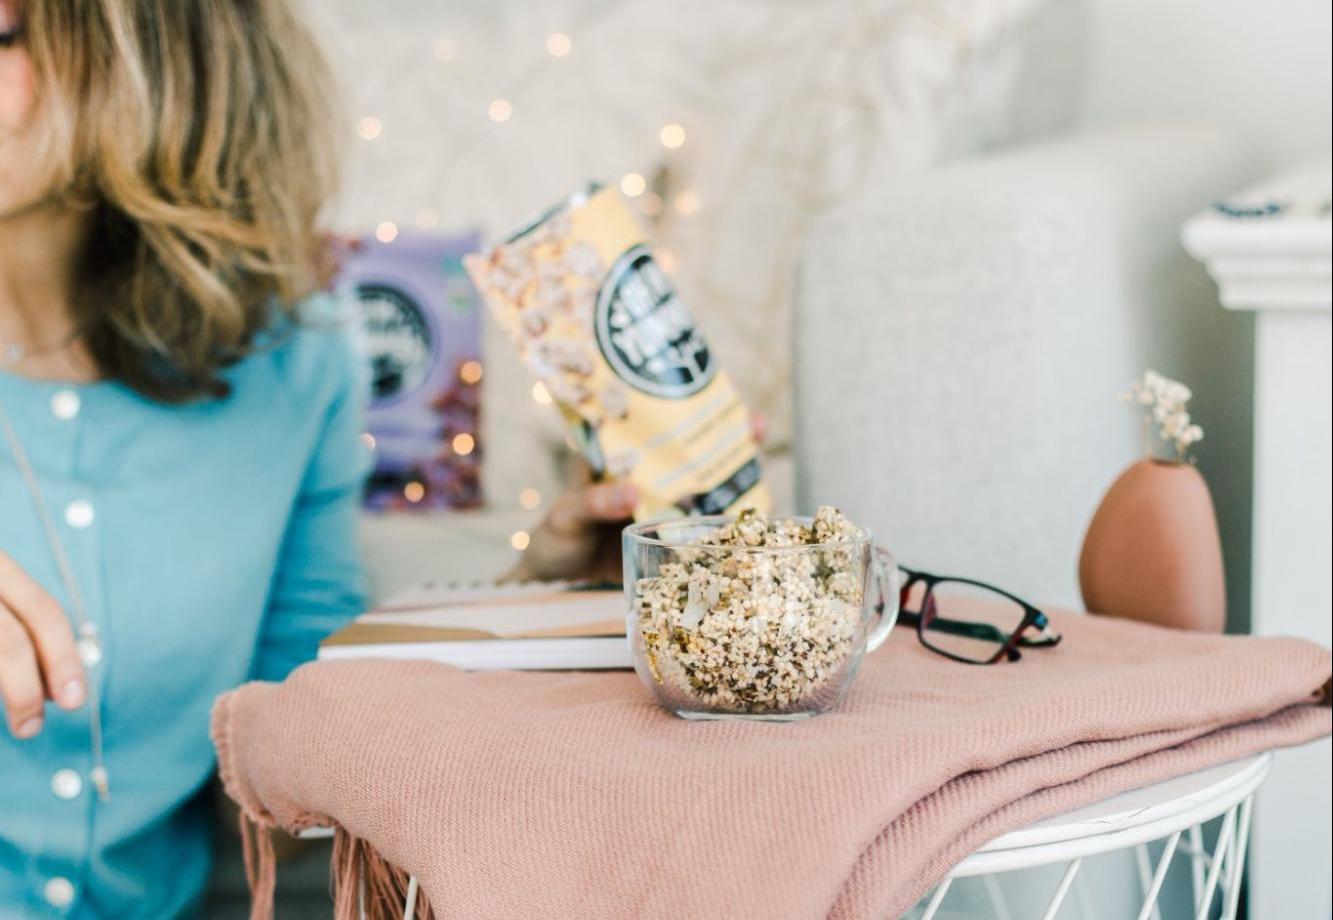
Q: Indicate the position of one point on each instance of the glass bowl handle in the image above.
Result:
(884, 571)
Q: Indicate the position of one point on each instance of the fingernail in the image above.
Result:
(72, 694)
(29, 729)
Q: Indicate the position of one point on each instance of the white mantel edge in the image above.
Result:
(1281, 262)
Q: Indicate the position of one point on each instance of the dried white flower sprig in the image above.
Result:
(1163, 403)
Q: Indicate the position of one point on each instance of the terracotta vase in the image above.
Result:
(1152, 552)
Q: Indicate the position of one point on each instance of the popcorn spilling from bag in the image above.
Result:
(542, 288)
(597, 321)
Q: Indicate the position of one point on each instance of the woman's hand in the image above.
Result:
(38, 658)
(580, 537)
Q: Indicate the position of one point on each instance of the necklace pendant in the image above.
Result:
(90, 651)
(101, 782)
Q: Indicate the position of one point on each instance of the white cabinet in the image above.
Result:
(1269, 250)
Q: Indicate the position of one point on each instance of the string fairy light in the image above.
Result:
(540, 394)
(500, 109)
(530, 499)
(633, 184)
(463, 444)
(368, 439)
(386, 231)
(470, 372)
(414, 492)
(558, 44)
(520, 540)
(672, 135)
(369, 127)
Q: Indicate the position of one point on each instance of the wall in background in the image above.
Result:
(1262, 67)
(1263, 70)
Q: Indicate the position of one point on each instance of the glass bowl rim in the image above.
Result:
(636, 532)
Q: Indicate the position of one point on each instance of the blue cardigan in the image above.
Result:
(213, 542)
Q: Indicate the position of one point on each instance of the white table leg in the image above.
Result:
(998, 903)
(1154, 888)
(1238, 861)
(1196, 863)
(1062, 889)
(1146, 878)
(1084, 901)
(937, 899)
(1215, 870)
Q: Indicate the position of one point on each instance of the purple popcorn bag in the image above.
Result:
(421, 336)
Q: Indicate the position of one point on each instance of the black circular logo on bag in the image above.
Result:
(645, 332)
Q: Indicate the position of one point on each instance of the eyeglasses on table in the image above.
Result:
(971, 621)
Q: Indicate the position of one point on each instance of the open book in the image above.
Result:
(560, 626)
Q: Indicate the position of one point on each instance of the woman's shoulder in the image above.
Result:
(312, 356)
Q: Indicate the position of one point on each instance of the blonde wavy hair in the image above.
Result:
(199, 132)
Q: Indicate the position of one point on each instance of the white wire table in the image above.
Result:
(1175, 811)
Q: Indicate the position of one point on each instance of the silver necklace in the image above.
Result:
(88, 641)
(12, 353)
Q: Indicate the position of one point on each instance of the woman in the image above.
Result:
(179, 447)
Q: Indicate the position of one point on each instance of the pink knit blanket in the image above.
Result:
(571, 795)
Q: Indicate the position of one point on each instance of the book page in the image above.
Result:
(528, 615)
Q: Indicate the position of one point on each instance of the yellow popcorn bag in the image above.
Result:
(599, 324)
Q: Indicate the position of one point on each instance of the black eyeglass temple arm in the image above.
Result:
(984, 632)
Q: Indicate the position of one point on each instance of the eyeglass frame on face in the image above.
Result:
(986, 632)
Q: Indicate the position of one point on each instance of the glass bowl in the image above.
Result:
(752, 632)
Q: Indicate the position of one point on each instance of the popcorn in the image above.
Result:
(569, 392)
(513, 260)
(535, 321)
(621, 463)
(572, 357)
(751, 631)
(555, 231)
(582, 260)
(551, 294)
(615, 400)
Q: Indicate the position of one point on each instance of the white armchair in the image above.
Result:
(962, 333)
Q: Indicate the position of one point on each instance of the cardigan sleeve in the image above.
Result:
(320, 583)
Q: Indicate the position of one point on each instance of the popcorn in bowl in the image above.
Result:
(751, 617)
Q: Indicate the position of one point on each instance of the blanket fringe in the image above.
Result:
(361, 877)
(260, 867)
